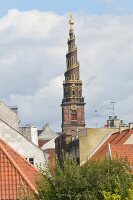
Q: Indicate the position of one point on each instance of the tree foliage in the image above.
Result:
(96, 180)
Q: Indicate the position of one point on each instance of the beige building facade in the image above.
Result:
(86, 141)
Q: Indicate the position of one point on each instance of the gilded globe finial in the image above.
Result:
(71, 22)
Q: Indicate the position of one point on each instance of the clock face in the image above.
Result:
(73, 107)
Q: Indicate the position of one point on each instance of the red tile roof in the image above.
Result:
(114, 139)
(123, 151)
(17, 175)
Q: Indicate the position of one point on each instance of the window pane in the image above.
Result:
(31, 160)
(74, 115)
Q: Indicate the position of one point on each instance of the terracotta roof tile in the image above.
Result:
(114, 139)
(17, 175)
(123, 151)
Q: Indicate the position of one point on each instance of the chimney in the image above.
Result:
(130, 125)
(121, 121)
(122, 128)
(14, 109)
(34, 135)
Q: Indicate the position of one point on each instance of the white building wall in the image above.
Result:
(30, 132)
(49, 145)
(26, 132)
(22, 145)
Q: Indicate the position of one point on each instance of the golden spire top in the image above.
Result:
(71, 22)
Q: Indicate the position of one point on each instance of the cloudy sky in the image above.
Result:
(33, 44)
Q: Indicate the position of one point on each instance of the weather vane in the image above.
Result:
(71, 22)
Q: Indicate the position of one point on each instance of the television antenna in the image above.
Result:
(96, 115)
(113, 107)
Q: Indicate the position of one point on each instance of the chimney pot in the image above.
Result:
(130, 125)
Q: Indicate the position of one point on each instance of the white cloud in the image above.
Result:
(43, 105)
(32, 63)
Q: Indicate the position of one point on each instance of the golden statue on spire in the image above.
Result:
(71, 22)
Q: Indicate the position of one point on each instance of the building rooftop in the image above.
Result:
(119, 145)
(47, 133)
(123, 151)
(18, 176)
(115, 139)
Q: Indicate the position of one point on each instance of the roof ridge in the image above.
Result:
(17, 167)
(50, 131)
(109, 142)
(124, 134)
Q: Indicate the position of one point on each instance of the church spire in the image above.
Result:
(72, 102)
(71, 56)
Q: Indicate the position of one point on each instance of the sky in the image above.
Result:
(118, 7)
(33, 45)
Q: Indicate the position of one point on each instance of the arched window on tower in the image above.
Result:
(79, 92)
(72, 60)
(72, 76)
(76, 75)
(66, 92)
(67, 78)
(73, 92)
(73, 115)
(68, 62)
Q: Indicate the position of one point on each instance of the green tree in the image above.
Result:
(107, 175)
(130, 192)
(66, 183)
(96, 180)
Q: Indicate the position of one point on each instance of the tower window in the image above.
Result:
(68, 62)
(72, 60)
(73, 92)
(66, 92)
(73, 115)
(79, 92)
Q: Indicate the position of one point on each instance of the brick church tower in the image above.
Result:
(73, 118)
